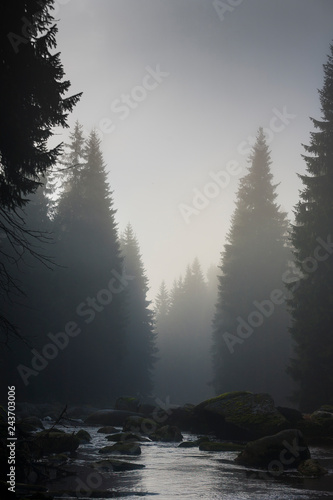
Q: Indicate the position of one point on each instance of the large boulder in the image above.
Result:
(284, 450)
(324, 418)
(167, 434)
(186, 419)
(241, 415)
(83, 436)
(107, 429)
(318, 424)
(109, 417)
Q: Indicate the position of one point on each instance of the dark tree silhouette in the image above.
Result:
(251, 340)
(89, 286)
(136, 375)
(312, 301)
(32, 90)
(32, 102)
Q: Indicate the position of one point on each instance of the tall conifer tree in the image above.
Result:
(139, 359)
(251, 345)
(33, 102)
(312, 234)
(89, 288)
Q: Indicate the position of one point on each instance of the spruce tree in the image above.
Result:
(312, 293)
(162, 304)
(139, 359)
(33, 97)
(33, 102)
(89, 287)
(251, 343)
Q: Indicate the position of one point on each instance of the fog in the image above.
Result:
(222, 79)
(175, 96)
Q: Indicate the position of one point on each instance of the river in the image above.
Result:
(176, 473)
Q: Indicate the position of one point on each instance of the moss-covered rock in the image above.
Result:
(122, 449)
(216, 446)
(45, 443)
(284, 450)
(319, 424)
(108, 429)
(83, 436)
(324, 418)
(252, 415)
(167, 434)
(311, 468)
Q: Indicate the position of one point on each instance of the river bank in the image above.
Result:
(162, 453)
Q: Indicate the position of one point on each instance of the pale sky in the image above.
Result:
(177, 88)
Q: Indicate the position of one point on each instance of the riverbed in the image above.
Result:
(171, 473)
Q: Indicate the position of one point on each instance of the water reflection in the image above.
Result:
(171, 472)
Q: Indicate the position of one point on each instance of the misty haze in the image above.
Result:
(166, 268)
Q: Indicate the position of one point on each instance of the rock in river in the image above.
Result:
(241, 415)
(167, 434)
(284, 450)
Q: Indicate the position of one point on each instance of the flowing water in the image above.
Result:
(175, 473)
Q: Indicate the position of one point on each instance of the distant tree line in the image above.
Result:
(87, 323)
(75, 322)
(183, 318)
